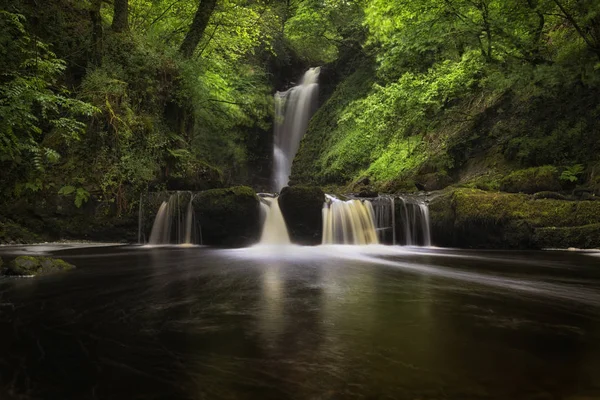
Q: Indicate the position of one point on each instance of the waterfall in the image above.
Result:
(385, 218)
(402, 220)
(348, 222)
(161, 229)
(172, 225)
(413, 217)
(274, 229)
(140, 219)
(293, 110)
(190, 224)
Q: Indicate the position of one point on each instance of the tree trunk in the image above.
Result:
(203, 13)
(97, 33)
(121, 16)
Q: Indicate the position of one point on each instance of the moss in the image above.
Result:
(30, 265)
(301, 207)
(583, 237)
(229, 217)
(474, 218)
(531, 180)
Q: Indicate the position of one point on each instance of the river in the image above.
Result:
(289, 322)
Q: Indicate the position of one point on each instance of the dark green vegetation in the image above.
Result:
(301, 208)
(102, 101)
(33, 266)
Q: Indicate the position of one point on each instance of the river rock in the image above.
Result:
(302, 207)
(478, 219)
(30, 265)
(228, 217)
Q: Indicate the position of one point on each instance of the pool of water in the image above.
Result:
(328, 322)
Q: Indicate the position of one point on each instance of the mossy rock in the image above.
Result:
(434, 181)
(474, 218)
(531, 180)
(549, 195)
(301, 207)
(30, 265)
(228, 217)
(583, 237)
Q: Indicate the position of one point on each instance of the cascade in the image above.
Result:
(414, 221)
(348, 222)
(140, 219)
(385, 218)
(393, 219)
(293, 109)
(174, 223)
(274, 229)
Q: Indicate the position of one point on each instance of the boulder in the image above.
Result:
(532, 180)
(228, 217)
(302, 207)
(583, 237)
(479, 219)
(30, 265)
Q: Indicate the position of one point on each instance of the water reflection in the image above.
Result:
(292, 322)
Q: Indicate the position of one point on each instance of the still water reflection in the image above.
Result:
(329, 322)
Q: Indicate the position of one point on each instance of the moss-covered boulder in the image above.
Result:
(531, 180)
(583, 237)
(228, 217)
(301, 207)
(474, 218)
(30, 265)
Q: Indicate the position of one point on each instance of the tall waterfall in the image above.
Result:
(348, 222)
(274, 229)
(175, 222)
(293, 109)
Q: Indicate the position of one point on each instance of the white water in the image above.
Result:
(348, 222)
(274, 229)
(173, 225)
(293, 110)
(395, 220)
(189, 222)
(161, 229)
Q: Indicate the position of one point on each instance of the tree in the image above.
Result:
(194, 34)
(121, 16)
(97, 31)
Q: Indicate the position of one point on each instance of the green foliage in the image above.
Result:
(34, 107)
(572, 173)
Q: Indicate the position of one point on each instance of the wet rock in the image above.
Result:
(301, 207)
(30, 265)
(581, 237)
(367, 193)
(474, 218)
(229, 217)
